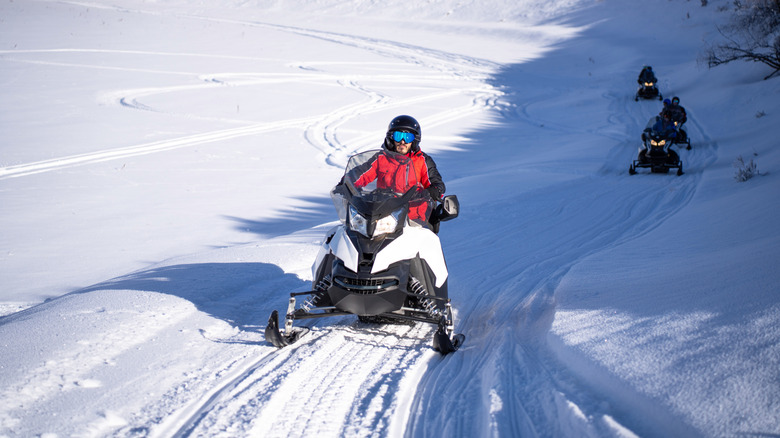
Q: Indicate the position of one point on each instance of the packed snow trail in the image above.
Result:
(528, 242)
(339, 382)
(506, 311)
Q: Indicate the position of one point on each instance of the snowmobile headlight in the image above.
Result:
(387, 224)
(649, 84)
(658, 142)
(358, 222)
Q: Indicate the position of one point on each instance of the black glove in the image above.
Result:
(434, 192)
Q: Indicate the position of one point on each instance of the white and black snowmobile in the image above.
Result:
(384, 262)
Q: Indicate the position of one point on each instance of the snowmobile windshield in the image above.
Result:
(380, 170)
(378, 184)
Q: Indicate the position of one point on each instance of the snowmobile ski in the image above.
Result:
(444, 344)
(275, 337)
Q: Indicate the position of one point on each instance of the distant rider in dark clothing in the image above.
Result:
(661, 124)
(646, 76)
(676, 112)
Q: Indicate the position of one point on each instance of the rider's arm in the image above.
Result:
(436, 187)
(367, 173)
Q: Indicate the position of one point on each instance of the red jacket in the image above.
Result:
(391, 172)
(394, 173)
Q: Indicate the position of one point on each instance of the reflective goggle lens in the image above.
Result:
(398, 136)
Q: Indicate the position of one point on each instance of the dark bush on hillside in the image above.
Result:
(744, 171)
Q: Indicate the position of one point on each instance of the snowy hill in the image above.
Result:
(164, 179)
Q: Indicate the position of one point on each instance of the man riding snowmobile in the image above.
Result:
(403, 137)
(647, 85)
(661, 124)
(678, 116)
(384, 263)
(655, 152)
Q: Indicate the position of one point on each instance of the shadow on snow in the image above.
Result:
(237, 293)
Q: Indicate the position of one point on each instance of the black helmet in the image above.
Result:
(406, 124)
(675, 100)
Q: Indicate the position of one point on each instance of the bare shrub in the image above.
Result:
(752, 35)
(744, 171)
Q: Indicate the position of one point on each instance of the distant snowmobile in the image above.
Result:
(657, 155)
(682, 136)
(648, 90)
(647, 85)
(679, 116)
(383, 262)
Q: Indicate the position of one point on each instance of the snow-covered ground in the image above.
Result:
(164, 179)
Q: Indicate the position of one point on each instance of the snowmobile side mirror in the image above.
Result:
(448, 209)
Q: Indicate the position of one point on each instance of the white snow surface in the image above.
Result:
(164, 178)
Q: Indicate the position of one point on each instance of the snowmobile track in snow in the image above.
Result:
(321, 130)
(194, 418)
(330, 368)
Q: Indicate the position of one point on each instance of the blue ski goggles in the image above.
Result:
(399, 136)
